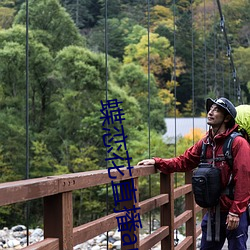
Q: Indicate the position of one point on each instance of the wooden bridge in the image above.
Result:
(56, 192)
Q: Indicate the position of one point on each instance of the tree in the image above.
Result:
(136, 82)
(42, 163)
(242, 64)
(161, 57)
(161, 63)
(84, 13)
(40, 68)
(161, 16)
(12, 149)
(237, 18)
(12, 58)
(6, 17)
(118, 31)
(80, 72)
(132, 9)
(53, 25)
(12, 77)
(139, 150)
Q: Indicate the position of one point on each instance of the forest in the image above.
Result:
(160, 58)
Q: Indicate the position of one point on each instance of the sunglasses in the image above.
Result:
(221, 102)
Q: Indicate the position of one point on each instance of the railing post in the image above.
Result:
(167, 210)
(190, 205)
(58, 219)
(131, 235)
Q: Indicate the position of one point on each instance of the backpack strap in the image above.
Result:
(227, 151)
(203, 152)
(227, 148)
(203, 155)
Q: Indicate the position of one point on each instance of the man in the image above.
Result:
(221, 115)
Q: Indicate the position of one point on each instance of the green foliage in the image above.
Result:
(118, 31)
(12, 59)
(42, 162)
(139, 148)
(136, 34)
(138, 53)
(7, 218)
(242, 63)
(160, 55)
(136, 82)
(237, 13)
(161, 16)
(133, 9)
(13, 148)
(83, 159)
(53, 25)
(6, 172)
(84, 13)
(6, 17)
(77, 73)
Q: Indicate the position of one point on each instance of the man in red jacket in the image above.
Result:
(221, 115)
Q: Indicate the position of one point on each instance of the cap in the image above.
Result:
(223, 103)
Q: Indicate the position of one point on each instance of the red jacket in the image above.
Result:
(241, 167)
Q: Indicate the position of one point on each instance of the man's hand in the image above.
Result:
(232, 221)
(146, 162)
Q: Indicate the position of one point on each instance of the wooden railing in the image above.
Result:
(59, 232)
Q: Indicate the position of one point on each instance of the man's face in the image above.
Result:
(215, 116)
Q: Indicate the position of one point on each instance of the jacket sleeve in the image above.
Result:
(185, 162)
(241, 175)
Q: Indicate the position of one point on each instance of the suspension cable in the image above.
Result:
(192, 76)
(27, 208)
(215, 52)
(149, 121)
(205, 50)
(106, 93)
(175, 95)
(174, 75)
(221, 68)
(229, 53)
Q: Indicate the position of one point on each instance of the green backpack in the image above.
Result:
(243, 120)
